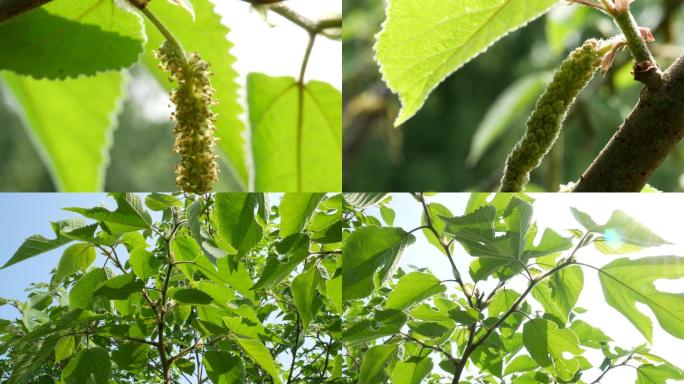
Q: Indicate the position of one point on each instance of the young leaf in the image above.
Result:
(131, 356)
(88, 364)
(186, 5)
(37, 244)
(292, 154)
(411, 371)
(77, 257)
(437, 212)
(119, 287)
(64, 348)
(621, 234)
(223, 368)
(626, 282)
(384, 323)
(558, 295)
(521, 363)
(413, 288)
(129, 215)
(160, 202)
(294, 249)
(306, 299)
(236, 221)
(79, 37)
(208, 36)
(144, 264)
(191, 296)
(415, 56)
(374, 362)
(74, 139)
(256, 350)
(589, 335)
(546, 343)
(296, 210)
(81, 294)
(371, 254)
(363, 200)
(658, 374)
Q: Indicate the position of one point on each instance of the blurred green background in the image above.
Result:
(459, 141)
(140, 157)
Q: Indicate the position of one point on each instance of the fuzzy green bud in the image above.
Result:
(194, 130)
(546, 120)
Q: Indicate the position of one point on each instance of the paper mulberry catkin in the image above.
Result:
(544, 124)
(194, 131)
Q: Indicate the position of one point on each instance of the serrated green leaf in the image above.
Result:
(658, 374)
(129, 215)
(236, 220)
(370, 255)
(374, 361)
(559, 293)
(521, 363)
(256, 350)
(294, 249)
(420, 46)
(437, 213)
(411, 371)
(64, 348)
(304, 294)
(413, 288)
(208, 36)
(589, 335)
(144, 264)
(77, 257)
(37, 244)
(546, 343)
(626, 282)
(79, 37)
(621, 234)
(89, 366)
(293, 154)
(81, 294)
(160, 202)
(131, 356)
(191, 296)
(73, 130)
(296, 210)
(119, 287)
(222, 367)
(384, 323)
(363, 200)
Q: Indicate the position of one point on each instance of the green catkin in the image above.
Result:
(194, 131)
(545, 123)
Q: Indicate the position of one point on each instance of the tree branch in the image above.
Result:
(12, 8)
(644, 140)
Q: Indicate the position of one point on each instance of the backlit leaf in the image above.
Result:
(419, 46)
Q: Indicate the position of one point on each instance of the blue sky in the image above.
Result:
(26, 214)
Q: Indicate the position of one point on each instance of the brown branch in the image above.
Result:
(12, 8)
(644, 140)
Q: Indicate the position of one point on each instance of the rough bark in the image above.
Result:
(11, 8)
(643, 141)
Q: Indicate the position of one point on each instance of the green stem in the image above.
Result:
(646, 68)
(635, 42)
(170, 38)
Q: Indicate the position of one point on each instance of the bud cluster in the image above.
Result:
(194, 130)
(544, 124)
